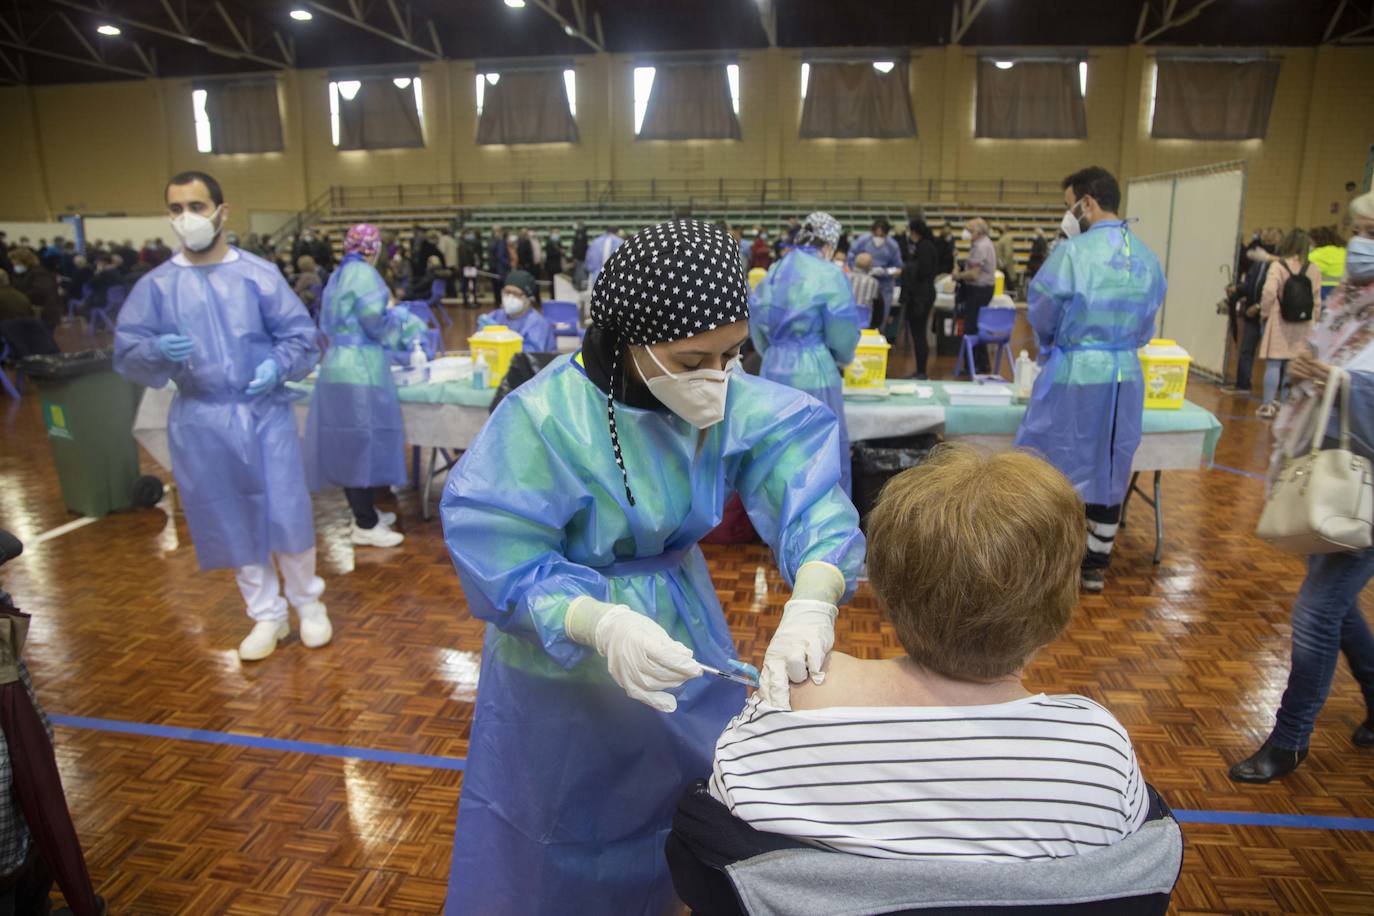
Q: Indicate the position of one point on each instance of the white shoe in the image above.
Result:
(386, 518)
(316, 630)
(262, 641)
(379, 535)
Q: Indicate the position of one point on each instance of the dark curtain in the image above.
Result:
(380, 116)
(244, 117)
(854, 100)
(527, 107)
(690, 102)
(1032, 100)
(1214, 100)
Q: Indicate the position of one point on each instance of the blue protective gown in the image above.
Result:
(531, 325)
(886, 254)
(1092, 305)
(236, 459)
(354, 436)
(570, 785)
(598, 253)
(803, 320)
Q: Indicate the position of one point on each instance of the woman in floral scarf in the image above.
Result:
(1326, 616)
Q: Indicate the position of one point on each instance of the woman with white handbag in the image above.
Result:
(1321, 500)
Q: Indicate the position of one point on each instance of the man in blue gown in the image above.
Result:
(225, 327)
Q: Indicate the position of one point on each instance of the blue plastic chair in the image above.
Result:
(436, 301)
(994, 327)
(11, 388)
(114, 298)
(76, 303)
(434, 336)
(564, 318)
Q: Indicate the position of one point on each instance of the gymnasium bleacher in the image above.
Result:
(1021, 219)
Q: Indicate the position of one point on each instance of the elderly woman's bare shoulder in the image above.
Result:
(849, 681)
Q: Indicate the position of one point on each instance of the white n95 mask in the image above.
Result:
(1069, 225)
(196, 232)
(697, 396)
(514, 305)
(966, 235)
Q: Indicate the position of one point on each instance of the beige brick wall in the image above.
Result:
(108, 147)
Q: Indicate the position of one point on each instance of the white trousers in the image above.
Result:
(258, 584)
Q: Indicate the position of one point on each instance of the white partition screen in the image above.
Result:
(1192, 221)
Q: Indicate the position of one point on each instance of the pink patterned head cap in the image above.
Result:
(363, 238)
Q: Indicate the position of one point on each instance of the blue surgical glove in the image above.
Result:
(176, 347)
(265, 377)
(485, 320)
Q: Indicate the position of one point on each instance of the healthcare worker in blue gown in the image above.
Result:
(1092, 306)
(354, 437)
(804, 321)
(224, 326)
(573, 522)
(518, 314)
(887, 262)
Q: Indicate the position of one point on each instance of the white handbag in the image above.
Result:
(1322, 502)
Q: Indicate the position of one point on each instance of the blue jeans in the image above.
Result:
(1326, 622)
(1275, 378)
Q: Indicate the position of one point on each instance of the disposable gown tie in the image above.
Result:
(803, 319)
(354, 436)
(1092, 305)
(236, 458)
(570, 785)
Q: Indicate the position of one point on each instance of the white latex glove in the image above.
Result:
(640, 655)
(894, 271)
(805, 636)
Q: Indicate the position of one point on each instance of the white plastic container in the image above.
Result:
(1025, 372)
(971, 394)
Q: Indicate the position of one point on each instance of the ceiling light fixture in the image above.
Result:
(569, 30)
(883, 66)
(302, 15)
(1004, 64)
(107, 29)
(515, 4)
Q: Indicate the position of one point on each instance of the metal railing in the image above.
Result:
(670, 193)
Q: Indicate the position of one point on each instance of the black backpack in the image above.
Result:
(1295, 299)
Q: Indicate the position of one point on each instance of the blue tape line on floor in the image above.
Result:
(1235, 818)
(257, 741)
(1261, 819)
(1251, 474)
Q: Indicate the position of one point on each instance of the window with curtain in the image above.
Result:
(861, 99)
(1212, 99)
(527, 106)
(697, 101)
(1031, 100)
(377, 113)
(237, 117)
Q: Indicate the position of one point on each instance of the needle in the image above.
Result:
(739, 678)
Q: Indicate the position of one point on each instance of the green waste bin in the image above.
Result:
(89, 413)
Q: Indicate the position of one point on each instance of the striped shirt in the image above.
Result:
(1043, 777)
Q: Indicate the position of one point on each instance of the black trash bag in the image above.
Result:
(876, 461)
(58, 367)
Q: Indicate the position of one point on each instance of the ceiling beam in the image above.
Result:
(574, 31)
(71, 59)
(1173, 21)
(179, 32)
(1330, 37)
(15, 65)
(355, 19)
(1335, 18)
(233, 27)
(965, 11)
(768, 14)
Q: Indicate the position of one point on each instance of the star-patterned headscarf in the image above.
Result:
(819, 228)
(669, 282)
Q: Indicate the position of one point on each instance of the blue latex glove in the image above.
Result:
(176, 347)
(265, 377)
(485, 320)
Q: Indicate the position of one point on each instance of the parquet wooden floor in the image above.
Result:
(1191, 655)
